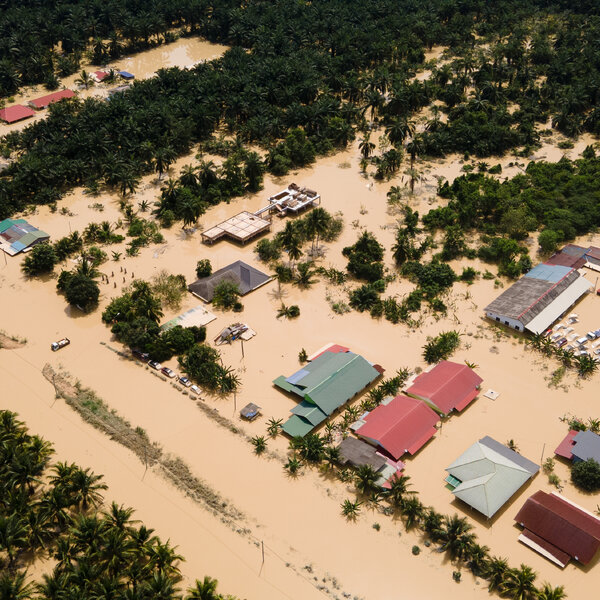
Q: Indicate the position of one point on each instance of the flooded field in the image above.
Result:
(299, 520)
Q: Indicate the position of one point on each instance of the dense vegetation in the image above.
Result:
(314, 73)
(560, 198)
(53, 511)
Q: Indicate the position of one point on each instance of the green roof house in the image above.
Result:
(324, 384)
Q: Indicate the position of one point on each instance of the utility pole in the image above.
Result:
(543, 450)
(242, 340)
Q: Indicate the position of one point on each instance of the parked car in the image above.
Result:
(591, 335)
(185, 381)
(547, 332)
(560, 343)
(168, 372)
(155, 365)
(582, 340)
(195, 389)
(60, 344)
(141, 355)
(598, 291)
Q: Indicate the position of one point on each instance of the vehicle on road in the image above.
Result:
(60, 344)
(561, 342)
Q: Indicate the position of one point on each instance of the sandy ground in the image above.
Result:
(298, 520)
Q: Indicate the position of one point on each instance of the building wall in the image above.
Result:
(502, 320)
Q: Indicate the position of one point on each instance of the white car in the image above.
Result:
(168, 372)
(195, 389)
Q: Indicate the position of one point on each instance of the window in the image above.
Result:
(497, 318)
(506, 322)
(517, 328)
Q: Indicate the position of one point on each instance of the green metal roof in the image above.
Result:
(324, 367)
(342, 385)
(6, 224)
(297, 426)
(284, 385)
(310, 412)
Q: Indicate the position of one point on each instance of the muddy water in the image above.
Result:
(298, 521)
(181, 53)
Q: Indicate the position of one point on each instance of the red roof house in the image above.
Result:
(45, 101)
(565, 448)
(559, 529)
(403, 425)
(100, 75)
(448, 386)
(15, 113)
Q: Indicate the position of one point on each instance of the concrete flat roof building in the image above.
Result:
(241, 228)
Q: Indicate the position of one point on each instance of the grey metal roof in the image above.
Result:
(587, 445)
(513, 456)
(357, 453)
(246, 277)
(528, 297)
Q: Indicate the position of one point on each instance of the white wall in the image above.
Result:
(502, 320)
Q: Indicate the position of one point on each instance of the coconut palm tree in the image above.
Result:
(304, 275)
(85, 487)
(188, 176)
(496, 571)
(259, 443)
(14, 587)
(13, 536)
(317, 224)
(413, 511)
(366, 479)
(547, 592)
(292, 466)
(398, 489)
(477, 557)
(519, 584)
(84, 79)
(586, 365)
(204, 590)
(455, 536)
(351, 509)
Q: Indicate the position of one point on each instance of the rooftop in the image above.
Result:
(489, 473)
(17, 235)
(245, 276)
(241, 228)
(357, 453)
(45, 101)
(15, 113)
(400, 426)
(559, 529)
(586, 445)
(529, 296)
(448, 386)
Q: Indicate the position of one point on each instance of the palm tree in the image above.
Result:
(274, 426)
(477, 556)
(304, 275)
(399, 130)
(317, 223)
(412, 511)
(86, 489)
(547, 592)
(292, 466)
(519, 584)
(332, 456)
(351, 509)
(204, 590)
(366, 479)
(13, 586)
(13, 536)
(586, 365)
(84, 79)
(455, 536)
(188, 176)
(366, 148)
(120, 517)
(259, 443)
(143, 205)
(496, 571)
(398, 489)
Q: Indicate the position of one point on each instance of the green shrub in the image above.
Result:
(585, 474)
(203, 268)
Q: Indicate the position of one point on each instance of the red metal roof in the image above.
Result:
(447, 386)
(565, 447)
(15, 113)
(566, 260)
(100, 75)
(335, 348)
(403, 425)
(562, 524)
(561, 557)
(593, 252)
(44, 101)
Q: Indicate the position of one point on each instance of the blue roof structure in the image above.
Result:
(18, 246)
(549, 273)
(126, 75)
